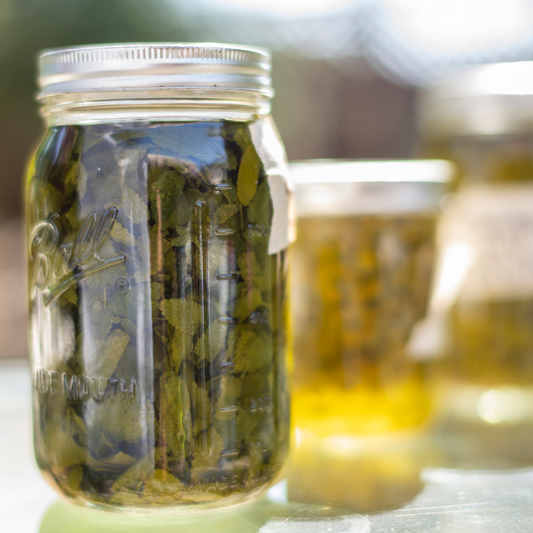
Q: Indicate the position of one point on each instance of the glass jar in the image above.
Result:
(482, 120)
(361, 275)
(157, 216)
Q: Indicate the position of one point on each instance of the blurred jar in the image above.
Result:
(361, 277)
(482, 119)
(157, 216)
(388, 467)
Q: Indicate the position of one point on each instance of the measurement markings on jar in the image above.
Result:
(229, 453)
(227, 320)
(226, 366)
(229, 409)
(227, 277)
(257, 448)
(260, 404)
(204, 404)
(224, 232)
(223, 187)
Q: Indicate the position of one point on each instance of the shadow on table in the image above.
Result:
(260, 516)
(474, 445)
(424, 481)
(479, 428)
(382, 473)
(365, 475)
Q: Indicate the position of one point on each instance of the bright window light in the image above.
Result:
(460, 24)
(290, 7)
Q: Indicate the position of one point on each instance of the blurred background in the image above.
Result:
(346, 72)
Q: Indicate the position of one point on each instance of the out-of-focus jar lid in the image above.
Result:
(486, 99)
(338, 187)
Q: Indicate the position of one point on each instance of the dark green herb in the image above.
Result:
(157, 314)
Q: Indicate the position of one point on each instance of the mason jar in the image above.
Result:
(481, 118)
(362, 270)
(158, 224)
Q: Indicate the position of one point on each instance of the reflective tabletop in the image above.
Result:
(452, 477)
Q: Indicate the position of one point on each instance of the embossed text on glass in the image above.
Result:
(63, 262)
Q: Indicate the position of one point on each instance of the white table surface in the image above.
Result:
(449, 500)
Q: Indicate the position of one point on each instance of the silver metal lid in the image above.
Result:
(137, 75)
(339, 188)
(482, 100)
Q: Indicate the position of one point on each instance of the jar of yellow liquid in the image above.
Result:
(361, 277)
(482, 119)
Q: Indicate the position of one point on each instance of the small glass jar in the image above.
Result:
(482, 120)
(157, 216)
(361, 274)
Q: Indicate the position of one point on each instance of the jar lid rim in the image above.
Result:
(339, 188)
(116, 51)
(483, 99)
(140, 67)
(316, 171)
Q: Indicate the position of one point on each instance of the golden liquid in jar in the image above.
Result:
(359, 286)
(490, 335)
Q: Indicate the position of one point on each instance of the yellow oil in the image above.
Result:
(490, 336)
(359, 286)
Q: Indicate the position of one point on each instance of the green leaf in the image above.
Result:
(246, 423)
(224, 213)
(161, 487)
(74, 478)
(249, 267)
(232, 162)
(260, 211)
(165, 189)
(63, 451)
(129, 327)
(175, 413)
(156, 291)
(253, 350)
(109, 355)
(118, 461)
(101, 319)
(52, 197)
(231, 195)
(120, 419)
(121, 234)
(248, 300)
(184, 238)
(126, 305)
(211, 342)
(132, 479)
(242, 138)
(201, 403)
(183, 314)
(70, 295)
(180, 348)
(71, 174)
(248, 175)
(107, 277)
(82, 180)
(203, 462)
(134, 207)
